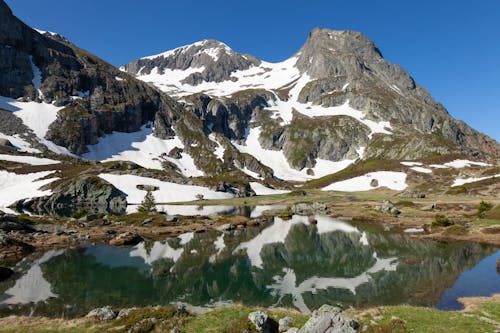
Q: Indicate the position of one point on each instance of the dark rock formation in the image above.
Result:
(88, 192)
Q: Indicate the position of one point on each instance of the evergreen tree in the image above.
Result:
(148, 204)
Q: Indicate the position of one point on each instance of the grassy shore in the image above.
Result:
(481, 314)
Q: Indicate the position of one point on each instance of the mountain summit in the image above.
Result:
(204, 114)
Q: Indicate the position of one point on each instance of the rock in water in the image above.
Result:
(126, 238)
(102, 314)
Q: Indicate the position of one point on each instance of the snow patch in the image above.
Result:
(168, 192)
(390, 179)
(32, 160)
(276, 160)
(14, 187)
(421, 169)
(412, 163)
(260, 189)
(462, 181)
(142, 148)
(19, 143)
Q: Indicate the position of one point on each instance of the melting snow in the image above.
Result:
(14, 187)
(260, 189)
(421, 169)
(143, 148)
(219, 151)
(276, 160)
(458, 164)
(390, 179)
(37, 117)
(168, 192)
(19, 143)
(28, 159)
(462, 181)
(411, 163)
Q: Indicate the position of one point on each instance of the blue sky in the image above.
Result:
(452, 48)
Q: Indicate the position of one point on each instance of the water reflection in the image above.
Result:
(299, 263)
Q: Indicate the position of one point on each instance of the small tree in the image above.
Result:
(148, 204)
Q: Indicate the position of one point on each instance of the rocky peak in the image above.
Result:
(211, 61)
(336, 53)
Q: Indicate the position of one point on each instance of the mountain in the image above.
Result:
(86, 96)
(204, 115)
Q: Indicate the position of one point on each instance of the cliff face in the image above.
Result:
(97, 97)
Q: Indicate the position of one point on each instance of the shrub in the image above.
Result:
(148, 204)
(483, 208)
(80, 213)
(441, 220)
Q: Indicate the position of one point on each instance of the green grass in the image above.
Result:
(426, 320)
(234, 319)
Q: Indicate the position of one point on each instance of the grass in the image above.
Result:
(424, 320)
(234, 319)
(481, 315)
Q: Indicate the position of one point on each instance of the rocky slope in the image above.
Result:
(93, 97)
(353, 103)
(207, 115)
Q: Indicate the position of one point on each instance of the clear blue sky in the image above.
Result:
(452, 47)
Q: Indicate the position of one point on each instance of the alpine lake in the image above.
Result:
(299, 263)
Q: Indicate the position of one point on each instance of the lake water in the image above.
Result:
(292, 263)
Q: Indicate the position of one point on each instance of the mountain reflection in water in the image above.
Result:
(291, 263)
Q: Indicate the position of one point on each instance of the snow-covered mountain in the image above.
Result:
(204, 115)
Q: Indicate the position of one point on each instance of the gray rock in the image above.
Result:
(429, 207)
(389, 208)
(309, 209)
(89, 192)
(259, 319)
(102, 314)
(329, 319)
(124, 312)
(285, 323)
(126, 238)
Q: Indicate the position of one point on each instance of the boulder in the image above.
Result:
(285, 324)
(124, 312)
(89, 192)
(102, 314)
(429, 207)
(259, 319)
(9, 222)
(329, 319)
(389, 208)
(126, 238)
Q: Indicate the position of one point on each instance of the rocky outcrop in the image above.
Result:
(91, 193)
(102, 314)
(98, 97)
(329, 319)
